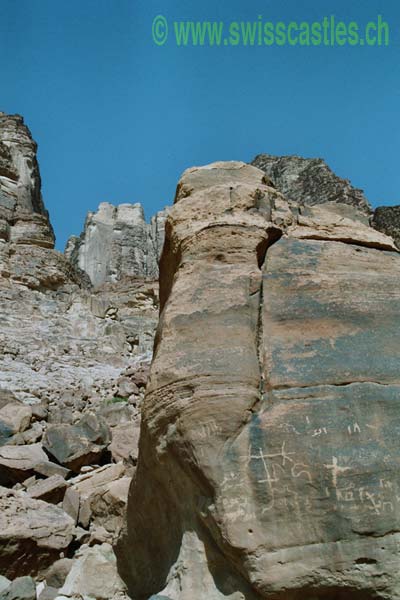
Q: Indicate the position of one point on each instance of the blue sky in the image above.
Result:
(118, 118)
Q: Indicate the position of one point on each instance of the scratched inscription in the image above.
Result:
(308, 467)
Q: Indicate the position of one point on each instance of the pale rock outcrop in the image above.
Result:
(310, 181)
(117, 243)
(23, 217)
(268, 457)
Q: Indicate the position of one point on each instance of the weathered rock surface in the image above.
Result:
(117, 243)
(310, 181)
(17, 463)
(81, 444)
(22, 588)
(94, 575)
(32, 534)
(268, 458)
(387, 220)
(23, 217)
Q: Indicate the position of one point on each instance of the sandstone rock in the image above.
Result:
(16, 417)
(22, 588)
(387, 220)
(71, 503)
(7, 397)
(17, 463)
(118, 243)
(99, 500)
(57, 573)
(23, 217)
(48, 593)
(310, 181)
(50, 490)
(4, 583)
(48, 469)
(125, 442)
(94, 574)
(268, 458)
(81, 444)
(126, 387)
(340, 223)
(117, 412)
(32, 534)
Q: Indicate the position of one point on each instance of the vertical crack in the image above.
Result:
(262, 252)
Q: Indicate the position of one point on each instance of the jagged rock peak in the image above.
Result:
(310, 181)
(23, 216)
(117, 243)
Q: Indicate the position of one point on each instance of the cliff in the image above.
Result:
(117, 243)
(268, 459)
(23, 217)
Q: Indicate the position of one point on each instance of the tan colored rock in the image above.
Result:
(268, 458)
(125, 442)
(32, 534)
(338, 222)
(94, 574)
(50, 490)
(16, 416)
(94, 494)
(17, 463)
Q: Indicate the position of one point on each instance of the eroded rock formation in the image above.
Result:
(268, 457)
(23, 217)
(117, 243)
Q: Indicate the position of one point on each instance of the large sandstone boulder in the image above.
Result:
(268, 458)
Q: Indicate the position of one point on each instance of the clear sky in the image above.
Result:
(118, 118)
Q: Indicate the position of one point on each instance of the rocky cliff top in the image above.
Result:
(117, 243)
(310, 181)
(23, 217)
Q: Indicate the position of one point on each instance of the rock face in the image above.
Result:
(118, 243)
(387, 220)
(23, 217)
(310, 181)
(268, 458)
